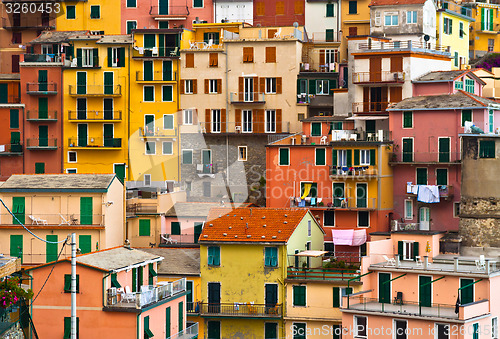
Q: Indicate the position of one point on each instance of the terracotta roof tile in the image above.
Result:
(252, 224)
(396, 2)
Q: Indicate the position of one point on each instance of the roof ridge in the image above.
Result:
(470, 96)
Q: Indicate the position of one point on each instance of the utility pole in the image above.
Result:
(73, 285)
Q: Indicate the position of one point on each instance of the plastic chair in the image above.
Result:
(390, 261)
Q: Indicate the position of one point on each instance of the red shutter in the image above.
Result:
(237, 117)
(223, 120)
(278, 121)
(182, 86)
(207, 120)
(240, 89)
(278, 85)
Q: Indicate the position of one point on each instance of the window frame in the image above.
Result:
(74, 12)
(146, 143)
(144, 93)
(353, 7)
(162, 93)
(187, 116)
(173, 121)
(447, 176)
(270, 126)
(404, 125)
(320, 83)
(240, 158)
(364, 157)
(189, 86)
(391, 16)
(482, 152)
(274, 255)
(405, 333)
(302, 301)
(356, 326)
(408, 247)
(69, 157)
(426, 175)
(202, 4)
(98, 8)
(163, 147)
(408, 212)
(212, 86)
(213, 256)
(270, 86)
(357, 215)
(182, 154)
(316, 156)
(413, 16)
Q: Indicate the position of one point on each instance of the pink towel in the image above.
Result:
(342, 237)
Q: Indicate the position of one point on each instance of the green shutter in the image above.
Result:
(85, 243)
(42, 80)
(197, 3)
(356, 157)
(334, 157)
(43, 108)
(284, 156)
(444, 149)
(67, 283)
(299, 295)
(108, 135)
(4, 93)
(400, 249)
(175, 227)
(95, 12)
(70, 12)
(217, 256)
(487, 149)
(67, 327)
(18, 208)
(86, 213)
(312, 86)
(110, 57)
(466, 116)
(267, 256)
(353, 7)
(108, 82)
(140, 277)
(39, 167)
(270, 331)
(82, 135)
(134, 279)
(43, 135)
(149, 93)
(407, 150)
(167, 70)
(79, 57)
(16, 246)
(167, 93)
(361, 195)
(51, 249)
(466, 294)
(424, 291)
(384, 288)
(167, 322)
(206, 37)
(329, 35)
(114, 281)
(421, 176)
(120, 171)
(329, 10)
(95, 55)
(456, 59)
(147, 331)
(81, 83)
(372, 157)
(152, 273)
(483, 23)
(415, 250)
(148, 70)
(349, 158)
(320, 156)
(144, 227)
(149, 40)
(14, 118)
(121, 57)
(491, 20)
(408, 119)
(181, 316)
(131, 3)
(336, 297)
(441, 176)
(316, 129)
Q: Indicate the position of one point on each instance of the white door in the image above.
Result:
(425, 217)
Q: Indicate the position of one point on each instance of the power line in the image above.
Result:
(33, 234)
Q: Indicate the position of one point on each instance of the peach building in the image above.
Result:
(117, 296)
(411, 290)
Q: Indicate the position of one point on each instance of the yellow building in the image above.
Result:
(453, 22)
(355, 16)
(92, 15)
(492, 79)
(484, 36)
(243, 264)
(154, 103)
(95, 99)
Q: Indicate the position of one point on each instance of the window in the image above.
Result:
(189, 60)
(247, 54)
(168, 121)
(490, 121)
(213, 59)
(271, 257)
(175, 228)
(322, 87)
(299, 331)
(247, 121)
(284, 156)
(409, 248)
(459, 85)
(456, 209)
(469, 85)
(353, 7)
(212, 86)
(197, 3)
(444, 149)
(408, 209)
(421, 176)
(360, 327)
(411, 17)
(167, 93)
(188, 87)
(187, 117)
(329, 218)
(486, 19)
(361, 195)
(364, 157)
(17, 37)
(216, 120)
(14, 118)
(242, 153)
(400, 329)
(95, 12)
(280, 8)
(70, 12)
(147, 179)
(213, 330)
(408, 119)
(167, 148)
(363, 219)
(187, 157)
(131, 25)
(67, 283)
(309, 189)
(316, 129)
(270, 121)
(270, 85)
(88, 57)
(260, 8)
(271, 331)
(150, 148)
(320, 157)
(148, 334)
(494, 328)
(67, 326)
(447, 26)
(298, 7)
(71, 156)
(442, 331)
(144, 227)
(214, 256)
(407, 150)
(442, 176)
(391, 19)
(39, 167)
(116, 57)
(71, 170)
(338, 194)
(131, 3)
(466, 116)
(475, 331)
(461, 30)
(487, 149)
(270, 54)
(299, 295)
(330, 10)
(149, 94)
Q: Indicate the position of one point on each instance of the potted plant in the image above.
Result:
(11, 292)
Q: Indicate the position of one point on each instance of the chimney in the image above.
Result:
(426, 261)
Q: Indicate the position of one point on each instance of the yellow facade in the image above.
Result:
(96, 107)
(484, 38)
(154, 106)
(355, 21)
(84, 15)
(453, 31)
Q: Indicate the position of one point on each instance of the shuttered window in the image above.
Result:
(320, 157)
(175, 228)
(284, 154)
(214, 256)
(421, 176)
(67, 326)
(247, 54)
(14, 118)
(329, 10)
(144, 227)
(487, 149)
(407, 119)
(213, 59)
(270, 54)
(95, 12)
(189, 60)
(271, 257)
(67, 283)
(466, 116)
(167, 93)
(441, 176)
(299, 296)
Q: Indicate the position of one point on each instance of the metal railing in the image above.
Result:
(352, 135)
(141, 208)
(406, 45)
(481, 26)
(157, 133)
(43, 58)
(358, 171)
(335, 36)
(169, 10)
(202, 44)
(241, 309)
(95, 142)
(306, 273)
(247, 97)
(27, 21)
(245, 127)
(41, 143)
(41, 115)
(425, 157)
(155, 76)
(407, 226)
(176, 239)
(350, 203)
(59, 219)
(96, 90)
(206, 168)
(95, 115)
(9, 149)
(368, 107)
(445, 191)
(188, 333)
(385, 76)
(41, 87)
(156, 52)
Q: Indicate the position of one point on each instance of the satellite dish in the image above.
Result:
(426, 37)
(295, 24)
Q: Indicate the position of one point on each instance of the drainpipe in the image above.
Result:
(379, 177)
(227, 115)
(61, 113)
(178, 132)
(127, 164)
(103, 289)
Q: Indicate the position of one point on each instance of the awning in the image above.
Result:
(366, 117)
(311, 253)
(349, 237)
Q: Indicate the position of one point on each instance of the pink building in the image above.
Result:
(117, 296)
(448, 82)
(410, 290)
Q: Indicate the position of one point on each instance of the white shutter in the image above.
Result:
(378, 19)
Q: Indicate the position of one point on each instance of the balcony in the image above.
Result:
(358, 172)
(247, 98)
(324, 274)
(157, 133)
(94, 116)
(409, 45)
(39, 144)
(241, 310)
(424, 158)
(141, 208)
(378, 77)
(481, 27)
(10, 321)
(156, 76)
(43, 58)
(95, 90)
(328, 70)
(445, 191)
(149, 295)
(167, 239)
(370, 107)
(45, 116)
(41, 88)
(169, 11)
(352, 135)
(155, 52)
(28, 21)
(245, 127)
(95, 143)
(454, 7)
(206, 170)
(40, 220)
(189, 333)
(324, 37)
(349, 203)
(11, 149)
(204, 45)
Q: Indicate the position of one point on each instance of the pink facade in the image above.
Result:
(449, 87)
(187, 228)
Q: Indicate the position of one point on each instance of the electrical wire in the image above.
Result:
(33, 234)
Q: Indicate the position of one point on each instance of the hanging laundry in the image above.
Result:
(428, 193)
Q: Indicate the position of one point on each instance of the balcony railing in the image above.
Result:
(359, 171)
(304, 273)
(309, 66)
(370, 107)
(405, 45)
(169, 11)
(335, 36)
(41, 88)
(59, 219)
(246, 127)
(247, 98)
(147, 296)
(425, 157)
(203, 44)
(451, 6)
(177, 239)
(26, 22)
(95, 115)
(36, 115)
(484, 28)
(41, 143)
(95, 90)
(351, 135)
(349, 203)
(206, 169)
(43, 58)
(241, 309)
(157, 133)
(155, 52)
(155, 76)
(445, 191)
(370, 77)
(11, 149)
(188, 333)
(95, 143)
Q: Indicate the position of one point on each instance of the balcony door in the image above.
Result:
(384, 288)
(425, 217)
(108, 109)
(81, 109)
(163, 7)
(108, 135)
(425, 291)
(375, 69)
(271, 297)
(43, 136)
(206, 160)
(214, 297)
(248, 89)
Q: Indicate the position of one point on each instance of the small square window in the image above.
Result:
(149, 94)
(167, 148)
(242, 153)
(71, 156)
(197, 3)
(150, 148)
(70, 12)
(95, 12)
(67, 283)
(187, 157)
(363, 219)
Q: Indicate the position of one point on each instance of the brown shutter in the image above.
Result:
(384, 97)
(396, 94)
(240, 89)
(255, 89)
(247, 54)
(396, 64)
(219, 86)
(195, 86)
(366, 99)
(237, 117)
(270, 33)
(213, 60)
(182, 87)
(262, 85)
(223, 120)
(207, 120)
(189, 60)
(278, 85)
(206, 86)
(270, 54)
(376, 69)
(321, 56)
(259, 121)
(353, 31)
(278, 121)
(251, 54)
(195, 116)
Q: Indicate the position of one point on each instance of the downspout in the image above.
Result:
(109, 273)
(379, 177)
(178, 132)
(61, 117)
(227, 117)
(138, 324)
(127, 158)
(31, 304)
(24, 137)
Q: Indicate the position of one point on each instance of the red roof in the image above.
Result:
(252, 224)
(396, 2)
